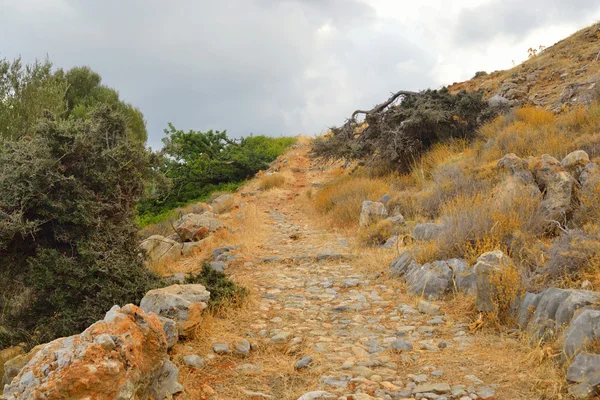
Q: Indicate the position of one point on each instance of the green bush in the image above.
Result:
(222, 290)
(67, 229)
(197, 164)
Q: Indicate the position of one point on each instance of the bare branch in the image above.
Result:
(382, 106)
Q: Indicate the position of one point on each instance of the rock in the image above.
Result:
(218, 266)
(170, 328)
(559, 188)
(182, 303)
(575, 162)
(488, 264)
(431, 280)
(194, 361)
(526, 308)
(401, 345)
(385, 199)
(13, 366)
(542, 323)
(397, 220)
(281, 337)
(499, 103)
(222, 203)
(331, 255)
(87, 365)
(439, 388)
(243, 348)
(583, 330)
(586, 372)
(485, 392)
(189, 248)
(371, 213)
(161, 250)
(590, 178)
(428, 308)
(390, 243)
(463, 276)
(516, 167)
(195, 227)
(6, 355)
(427, 231)
(577, 299)
(317, 395)
(221, 348)
(304, 362)
(400, 266)
(222, 250)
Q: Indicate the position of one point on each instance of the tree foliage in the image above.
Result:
(395, 137)
(28, 91)
(196, 162)
(67, 233)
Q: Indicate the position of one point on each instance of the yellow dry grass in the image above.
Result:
(271, 181)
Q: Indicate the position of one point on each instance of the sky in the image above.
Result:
(280, 67)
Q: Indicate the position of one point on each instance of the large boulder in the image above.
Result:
(543, 321)
(559, 188)
(161, 250)
(195, 227)
(431, 280)
(463, 276)
(427, 231)
(584, 330)
(222, 204)
(182, 303)
(527, 305)
(488, 264)
(575, 162)
(121, 357)
(516, 167)
(371, 213)
(401, 265)
(585, 372)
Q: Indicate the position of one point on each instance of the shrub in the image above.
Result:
(508, 287)
(398, 136)
(67, 230)
(222, 290)
(480, 74)
(271, 181)
(376, 234)
(574, 256)
(342, 199)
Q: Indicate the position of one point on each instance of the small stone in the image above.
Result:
(438, 372)
(304, 362)
(221, 348)
(428, 308)
(485, 392)
(194, 361)
(243, 348)
(401, 345)
(421, 378)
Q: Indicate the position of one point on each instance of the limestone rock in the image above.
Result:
(13, 366)
(516, 167)
(222, 204)
(488, 264)
(121, 357)
(583, 330)
(427, 231)
(586, 372)
(559, 188)
(431, 280)
(195, 227)
(575, 162)
(543, 320)
(400, 265)
(161, 250)
(182, 303)
(372, 212)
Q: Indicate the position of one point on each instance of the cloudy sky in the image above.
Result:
(280, 67)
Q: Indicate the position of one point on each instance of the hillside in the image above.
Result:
(561, 75)
(441, 249)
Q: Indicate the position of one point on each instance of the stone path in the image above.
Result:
(319, 321)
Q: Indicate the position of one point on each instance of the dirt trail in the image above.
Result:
(314, 295)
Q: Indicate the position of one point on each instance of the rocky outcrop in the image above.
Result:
(559, 188)
(182, 303)
(516, 167)
(488, 264)
(433, 280)
(161, 250)
(195, 227)
(121, 357)
(427, 231)
(575, 162)
(371, 213)
(222, 204)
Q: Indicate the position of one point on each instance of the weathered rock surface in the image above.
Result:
(431, 280)
(584, 330)
(222, 204)
(516, 167)
(488, 264)
(182, 303)
(427, 231)
(575, 162)
(161, 250)
(585, 371)
(195, 227)
(559, 188)
(371, 213)
(121, 357)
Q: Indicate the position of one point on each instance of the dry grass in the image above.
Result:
(376, 234)
(341, 200)
(271, 181)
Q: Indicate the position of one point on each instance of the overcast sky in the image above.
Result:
(280, 67)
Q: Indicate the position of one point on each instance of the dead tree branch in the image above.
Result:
(382, 106)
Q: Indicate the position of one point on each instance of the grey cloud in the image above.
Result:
(515, 18)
